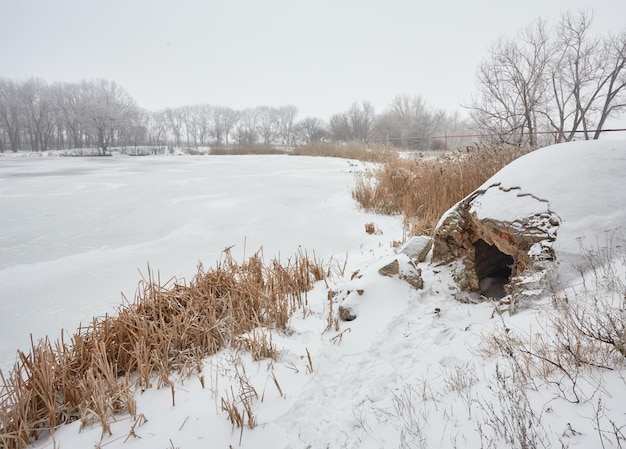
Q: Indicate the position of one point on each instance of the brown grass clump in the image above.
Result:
(350, 150)
(167, 328)
(423, 189)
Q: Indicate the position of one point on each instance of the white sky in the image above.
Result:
(320, 55)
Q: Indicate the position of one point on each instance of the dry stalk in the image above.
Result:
(309, 367)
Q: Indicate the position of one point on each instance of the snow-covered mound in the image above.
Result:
(416, 367)
(585, 185)
(536, 211)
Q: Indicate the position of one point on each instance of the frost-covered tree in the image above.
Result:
(266, 123)
(409, 122)
(223, 121)
(175, 119)
(38, 113)
(286, 124)
(11, 121)
(246, 128)
(106, 109)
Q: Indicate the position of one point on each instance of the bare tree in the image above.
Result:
(10, 113)
(408, 122)
(512, 85)
(266, 123)
(286, 126)
(157, 128)
(572, 74)
(38, 114)
(246, 128)
(106, 110)
(175, 120)
(224, 120)
(200, 123)
(229, 119)
(355, 124)
(614, 79)
(312, 129)
(68, 101)
(566, 79)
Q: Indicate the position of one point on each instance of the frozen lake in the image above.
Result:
(75, 233)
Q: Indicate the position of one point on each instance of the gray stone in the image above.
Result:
(417, 247)
(414, 278)
(345, 314)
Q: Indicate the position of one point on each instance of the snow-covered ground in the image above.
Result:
(416, 368)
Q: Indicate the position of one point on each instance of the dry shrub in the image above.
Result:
(167, 328)
(422, 189)
(349, 150)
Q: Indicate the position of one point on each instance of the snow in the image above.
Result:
(416, 368)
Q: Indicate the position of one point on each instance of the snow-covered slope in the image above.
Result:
(584, 184)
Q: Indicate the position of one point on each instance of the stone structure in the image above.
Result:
(499, 242)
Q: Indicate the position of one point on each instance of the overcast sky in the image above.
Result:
(319, 55)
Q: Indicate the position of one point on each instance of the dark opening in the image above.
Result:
(493, 269)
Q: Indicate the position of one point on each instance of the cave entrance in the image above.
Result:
(493, 269)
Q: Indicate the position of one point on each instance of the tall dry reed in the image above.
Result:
(254, 149)
(349, 150)
(423, 188)
(167, 328)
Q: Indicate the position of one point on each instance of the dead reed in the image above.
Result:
(349, 150)
(167, 328)
(422, 188)
(246, 150)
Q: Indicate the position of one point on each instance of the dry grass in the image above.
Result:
(167, 328)
(422, 189)
(350, 150)
(246, 150)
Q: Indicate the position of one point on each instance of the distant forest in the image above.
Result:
(36, 116)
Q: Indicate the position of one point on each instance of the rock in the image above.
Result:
(414, 278)
(345, 314)
(417, 248)
(391, 269)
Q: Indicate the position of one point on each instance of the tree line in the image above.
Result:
(36, 116)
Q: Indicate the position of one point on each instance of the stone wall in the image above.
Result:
(524, 242)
